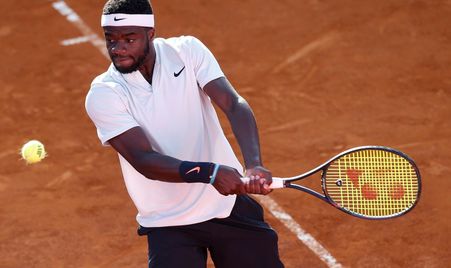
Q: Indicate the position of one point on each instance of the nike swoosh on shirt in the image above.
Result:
(177, 74)
(194, 169)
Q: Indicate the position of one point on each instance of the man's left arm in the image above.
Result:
(244, 127)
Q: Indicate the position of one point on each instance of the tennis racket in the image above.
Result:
(371, 182)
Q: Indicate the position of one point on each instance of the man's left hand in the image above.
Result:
(259, 180)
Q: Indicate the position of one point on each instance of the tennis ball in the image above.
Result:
(33, 151)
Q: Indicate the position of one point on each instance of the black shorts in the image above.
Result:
(242, 240)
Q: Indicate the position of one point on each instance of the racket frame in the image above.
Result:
(287, 182)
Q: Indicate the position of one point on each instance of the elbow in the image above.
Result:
(237, 105)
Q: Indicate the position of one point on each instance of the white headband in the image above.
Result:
(120, 19)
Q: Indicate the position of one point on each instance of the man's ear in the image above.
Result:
(151, 34)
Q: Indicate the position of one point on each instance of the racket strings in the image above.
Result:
(374, 183)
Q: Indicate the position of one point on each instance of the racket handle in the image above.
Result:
(276, 182)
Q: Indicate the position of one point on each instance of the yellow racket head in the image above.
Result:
(372, 182)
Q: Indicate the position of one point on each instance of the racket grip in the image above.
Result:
(276, 182)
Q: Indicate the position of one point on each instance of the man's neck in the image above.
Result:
(147, 72)
(147, 69)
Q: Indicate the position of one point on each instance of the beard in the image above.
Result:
(138, 62)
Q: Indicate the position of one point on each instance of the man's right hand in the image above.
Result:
(228, 181)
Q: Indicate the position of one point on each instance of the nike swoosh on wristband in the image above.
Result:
(177, 74)
(118, 19)
(194, 169)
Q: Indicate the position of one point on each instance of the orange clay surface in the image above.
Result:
(321, 76)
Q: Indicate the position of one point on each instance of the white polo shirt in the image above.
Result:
(179, 120)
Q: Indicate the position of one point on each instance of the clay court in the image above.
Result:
(321, 76)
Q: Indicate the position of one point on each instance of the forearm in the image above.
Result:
(245, 130)
(160, 167)
(240, 116)
(156, 166)
(134, 146)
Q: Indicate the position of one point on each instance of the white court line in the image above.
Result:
(267, 201)
(300, 233)
(77, 40)
(73, 17)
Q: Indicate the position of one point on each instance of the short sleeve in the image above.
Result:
(205, 65)
(109, 113)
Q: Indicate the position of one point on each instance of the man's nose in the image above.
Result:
(119, 48)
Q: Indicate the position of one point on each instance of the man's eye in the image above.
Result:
(131, 40)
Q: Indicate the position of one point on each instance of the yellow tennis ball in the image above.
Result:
(33, 151)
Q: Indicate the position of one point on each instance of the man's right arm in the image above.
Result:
(134, 146)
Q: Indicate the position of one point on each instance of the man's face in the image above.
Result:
(128, 46)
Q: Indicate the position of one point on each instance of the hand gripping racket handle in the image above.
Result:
(276, 182)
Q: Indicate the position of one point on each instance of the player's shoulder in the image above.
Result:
(107, 84)
(109, 79)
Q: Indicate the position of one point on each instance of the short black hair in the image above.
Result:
(127, 7)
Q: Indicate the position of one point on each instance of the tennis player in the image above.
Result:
(153, 106)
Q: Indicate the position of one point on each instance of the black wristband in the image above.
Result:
(196, 171)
